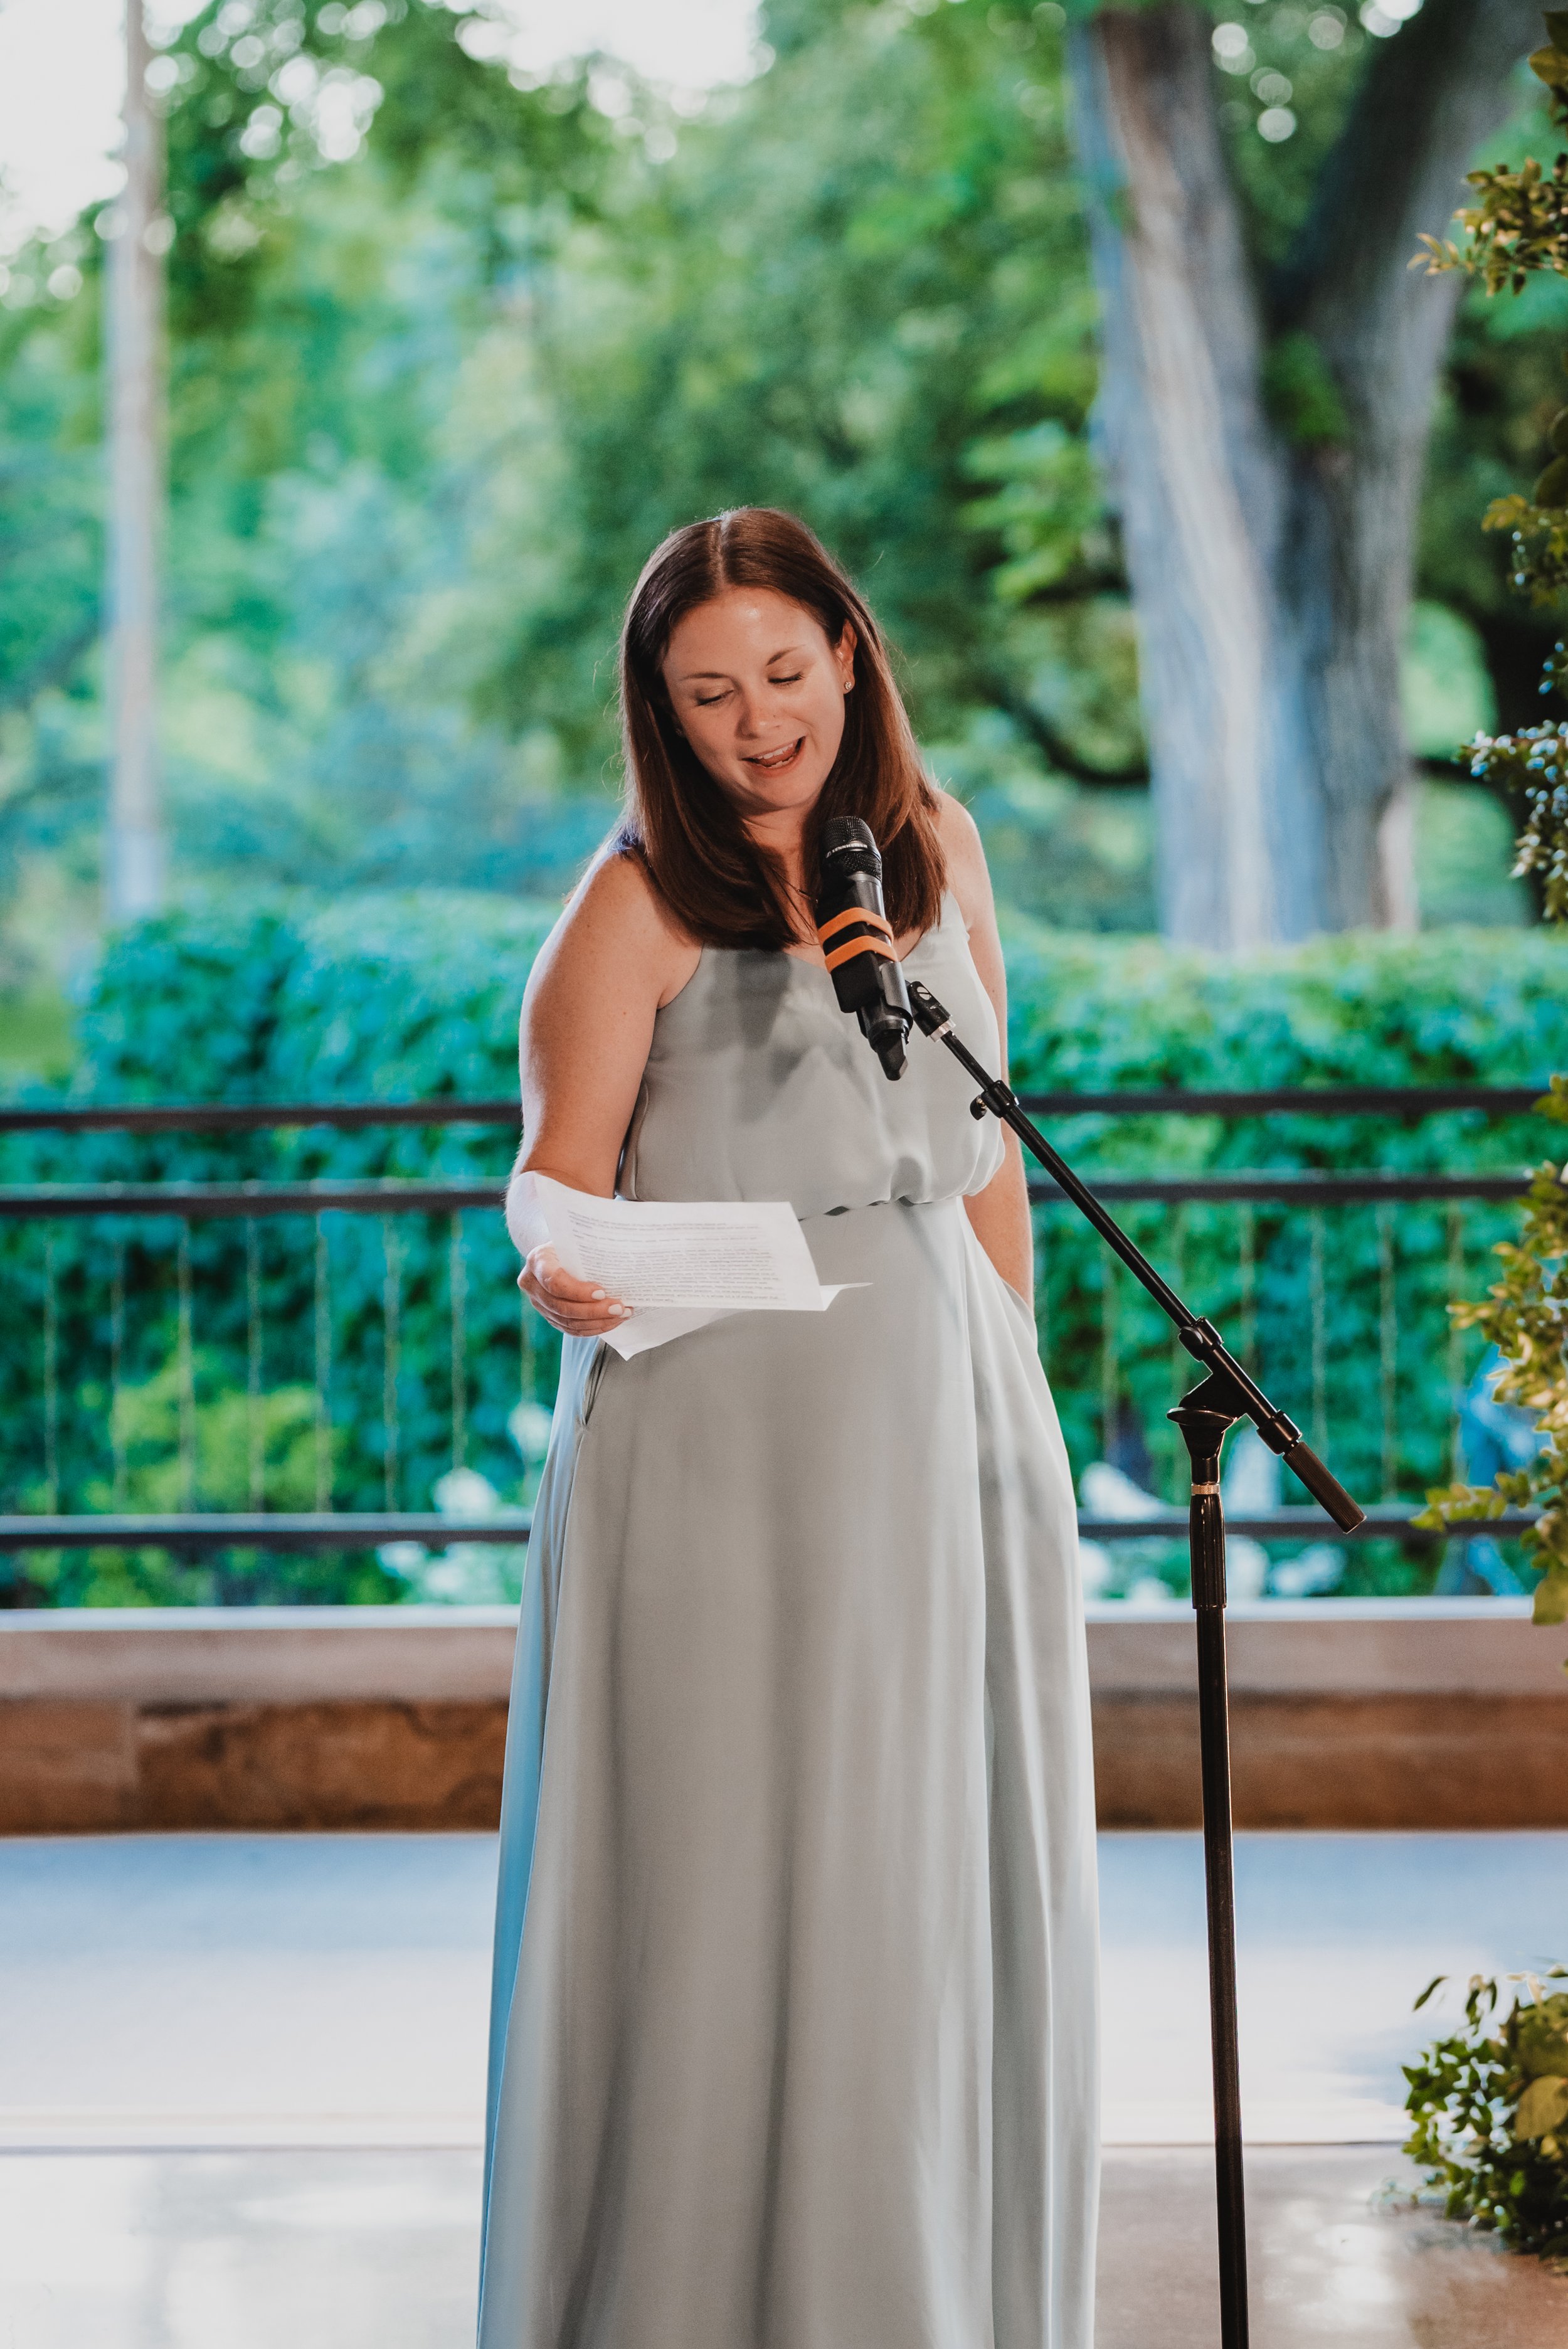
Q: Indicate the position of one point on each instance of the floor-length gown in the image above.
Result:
(793, 2035)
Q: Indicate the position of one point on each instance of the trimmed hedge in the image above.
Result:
(415, 995)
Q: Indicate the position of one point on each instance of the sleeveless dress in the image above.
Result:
(793, 2039)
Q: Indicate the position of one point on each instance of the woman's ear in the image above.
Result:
(844, 651)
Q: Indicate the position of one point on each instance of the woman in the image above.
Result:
(793, 2028)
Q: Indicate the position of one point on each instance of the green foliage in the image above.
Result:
(1502, 399)
(287, 999)
(1522, 1317)
(1490, 2108)
(148, 1430)
(257, 106)
(860, 295)
(432, 403)
(1530, 767)
(208, 1446)
(1521, 224)
(1047, 502)
(1293, 62)
(1519, 230)
(1301, 394)
(1539, 528)
(205, 1445)
(1092, 1015)
(432, 399)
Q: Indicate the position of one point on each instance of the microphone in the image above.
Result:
(854, 932)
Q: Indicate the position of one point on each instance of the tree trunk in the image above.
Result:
(1272, 579)
(134, 859)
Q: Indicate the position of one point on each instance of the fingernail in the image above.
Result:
(598, 1292)
(617, 1311)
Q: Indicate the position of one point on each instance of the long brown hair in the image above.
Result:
(715, 879)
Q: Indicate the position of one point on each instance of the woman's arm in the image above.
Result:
(1000, 1213)
(611, 961)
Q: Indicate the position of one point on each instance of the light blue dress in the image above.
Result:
(793, 2033)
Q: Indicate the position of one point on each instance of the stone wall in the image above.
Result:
(1346, 1713)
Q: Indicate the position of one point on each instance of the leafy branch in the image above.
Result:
(1521, 224)
(1531, 768)
(1489, 2105)
(1525, 1316)
(1520, 227)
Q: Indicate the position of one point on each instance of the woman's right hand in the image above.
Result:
(577, 1307)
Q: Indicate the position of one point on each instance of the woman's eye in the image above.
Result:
(785, 680)
(706, 700)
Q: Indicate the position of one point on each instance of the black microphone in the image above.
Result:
(855, 934)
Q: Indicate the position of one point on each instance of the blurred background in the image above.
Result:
(464, 306)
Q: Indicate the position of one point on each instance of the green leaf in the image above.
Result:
(1540, 2033)
(1552, 486)
(1302, 393)
(1551, 1605)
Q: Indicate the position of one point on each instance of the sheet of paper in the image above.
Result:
(679, 1264)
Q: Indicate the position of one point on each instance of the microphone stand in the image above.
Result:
(1225, 1394)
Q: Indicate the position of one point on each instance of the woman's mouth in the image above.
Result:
(776, 762)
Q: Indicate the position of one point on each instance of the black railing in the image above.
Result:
(249, 1294)
(1403, 1101)
(205, 1530)
(196, 1201)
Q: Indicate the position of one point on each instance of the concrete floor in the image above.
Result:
(241, 2082)
(1334, 2257)
(331, 2249)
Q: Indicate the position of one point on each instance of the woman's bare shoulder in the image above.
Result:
(616, 925)
(968, 875)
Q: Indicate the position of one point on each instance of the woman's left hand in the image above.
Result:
(577, 1307)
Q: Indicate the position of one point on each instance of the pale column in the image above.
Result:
(133, 346)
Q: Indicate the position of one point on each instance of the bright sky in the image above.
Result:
(61, 79)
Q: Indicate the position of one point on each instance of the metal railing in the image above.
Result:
(1299, 1100)
(235, 1320)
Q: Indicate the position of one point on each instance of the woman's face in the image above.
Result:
(758, 692)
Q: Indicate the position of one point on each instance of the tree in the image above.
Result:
(448, 354)
(134, 858)
(860, 292)
(1265, 422)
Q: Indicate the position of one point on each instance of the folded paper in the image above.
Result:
(682, 1263)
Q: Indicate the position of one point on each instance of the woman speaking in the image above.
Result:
(793, 2031)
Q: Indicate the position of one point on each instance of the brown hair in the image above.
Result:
(715, 879)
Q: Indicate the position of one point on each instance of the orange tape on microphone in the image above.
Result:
(859, 947)
(854, 913)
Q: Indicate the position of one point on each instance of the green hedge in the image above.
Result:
(1342, 1313)
(415, 996)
